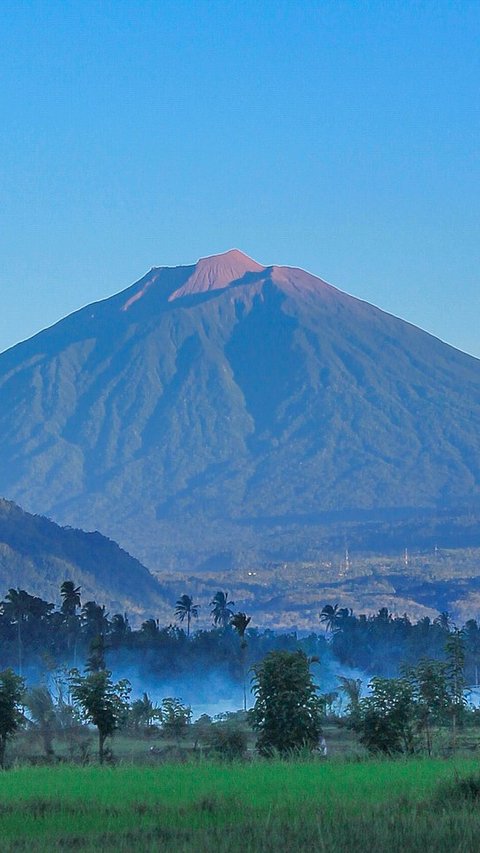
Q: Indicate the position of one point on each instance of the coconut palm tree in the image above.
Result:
(18, 607)
(186, 609)
(94, 620)
(240, 622)
(120, 628)
(71, 598)
(333, 615)
(329, 616)
(221, 612)
(71, 601)
(143, 712)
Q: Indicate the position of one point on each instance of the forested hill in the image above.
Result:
(229, 406)
(38, 555)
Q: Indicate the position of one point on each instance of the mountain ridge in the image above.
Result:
(38, 555)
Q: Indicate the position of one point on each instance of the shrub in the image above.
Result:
(228, 740)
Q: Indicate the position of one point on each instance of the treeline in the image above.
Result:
(382, 643)
(37, 634)
(421, 671)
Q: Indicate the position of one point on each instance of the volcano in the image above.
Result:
(217, 407)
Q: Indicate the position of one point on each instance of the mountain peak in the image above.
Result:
(216, 272)
(233, 260)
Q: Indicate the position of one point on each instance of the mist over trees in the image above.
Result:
(38, 636)
(413, 684)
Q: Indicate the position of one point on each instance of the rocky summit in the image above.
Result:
(227, 406)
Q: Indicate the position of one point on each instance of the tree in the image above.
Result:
(119, 629)
(352, 688)
(430, 695)
(16, 608)
(175, 717)
(143, 712)
(12, 688)
(185, 608)
(151, 628)
(201, 729)
(385, 719)
(71, 602)
(287, 711)
(42, 710)
(443, 621)
(21, 607)
(71, 598)
(472, 649)
(103, 703)
(329, 700)
(96, 657)
(221, 612)
(455, 672)
(332, 616)
(94, 620)
(240, 622)
(64, 710)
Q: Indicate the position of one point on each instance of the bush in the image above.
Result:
(459, 791)
(385, 719)
(228, 740)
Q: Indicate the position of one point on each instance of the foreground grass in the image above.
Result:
(276, 806)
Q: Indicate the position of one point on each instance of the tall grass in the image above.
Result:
(276, 806)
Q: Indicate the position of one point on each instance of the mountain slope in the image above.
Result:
(218, 405)
(38, 555)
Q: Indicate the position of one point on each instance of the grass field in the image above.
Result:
(257, 806)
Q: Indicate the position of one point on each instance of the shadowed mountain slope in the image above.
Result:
(38, 555)
(216, 406)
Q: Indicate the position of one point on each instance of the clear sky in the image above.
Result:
(342, 137)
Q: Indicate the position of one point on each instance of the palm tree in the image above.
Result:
(39, 702)
(240, 622)
(94, 619)
(73, 633)
(96, 658)
(150, 629)
(333, 615)
(443, 621)
(329, 615)
(185, 608)
(18, 607)
(143, 712)
(71, 598)
(120, 627)
(221, 612)
(352, 688)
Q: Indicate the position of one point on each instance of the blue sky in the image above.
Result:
(341, 137)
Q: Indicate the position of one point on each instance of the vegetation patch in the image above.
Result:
(268, 806)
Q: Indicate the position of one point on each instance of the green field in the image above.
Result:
(261, 806)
